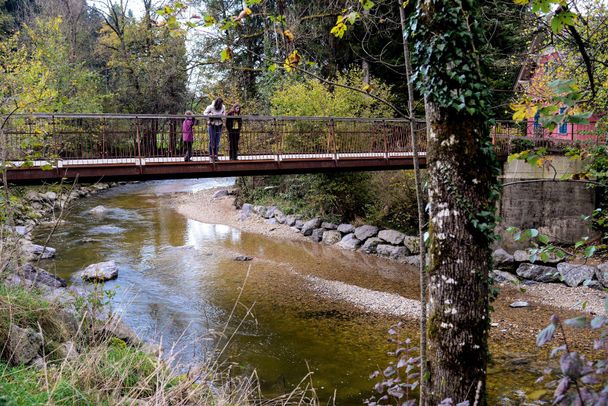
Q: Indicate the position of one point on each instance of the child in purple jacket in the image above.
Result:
(188, 134)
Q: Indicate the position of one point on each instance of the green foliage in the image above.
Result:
(27, 308)
(39, 76)
(298, 97)
(462, 87)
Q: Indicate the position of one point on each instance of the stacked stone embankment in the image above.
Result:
(368, 239)
(519, 268)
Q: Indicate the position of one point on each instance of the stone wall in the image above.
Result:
(553, 207)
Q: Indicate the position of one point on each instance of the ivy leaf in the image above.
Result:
(582, 118)
(272, 67)
(367, 4)
(209, 21)
(589, 251)
(226, 54)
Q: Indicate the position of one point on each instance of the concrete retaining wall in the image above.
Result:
(555, 208)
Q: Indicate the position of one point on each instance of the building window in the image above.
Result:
(563, 127)
(537, 121)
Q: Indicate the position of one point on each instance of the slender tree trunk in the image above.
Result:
(421, 218)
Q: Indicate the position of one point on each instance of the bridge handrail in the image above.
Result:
(201, 116)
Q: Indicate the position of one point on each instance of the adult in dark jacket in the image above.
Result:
(234, 124)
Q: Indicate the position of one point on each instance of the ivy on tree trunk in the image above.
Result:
(446, 36)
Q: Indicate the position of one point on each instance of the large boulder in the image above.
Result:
(349, 242)
(100, 272)
(311, 225)
(397, 253)
(291, 220)
(246, 211)
(346, 228)
(317, 234)
(412, 244)
(575, 274)
(40, 276)
(521, 256)
(37, 251)
(269, 212)
(331, 237)
(601, 273)
(299, 224)
(503, 260)
(23, 345)
(364, 232)
(280, 216)
(538, 273)
(50, 196)
(328, 226)
(370, 245)
(391, 236)
(502, 277)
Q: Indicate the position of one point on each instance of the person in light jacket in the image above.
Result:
(233, 125)
(216, 111)
(188, 134)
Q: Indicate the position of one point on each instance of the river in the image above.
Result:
(179, 282)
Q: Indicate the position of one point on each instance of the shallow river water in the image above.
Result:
(179, 282)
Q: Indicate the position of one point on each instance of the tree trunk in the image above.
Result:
(460, 255)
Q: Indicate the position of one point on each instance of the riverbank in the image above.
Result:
(202, 206)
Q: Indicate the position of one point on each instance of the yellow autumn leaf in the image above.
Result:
(521, 2)
(288, 35)
(292, 61)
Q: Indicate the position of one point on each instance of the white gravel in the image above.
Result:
(365, 299)
(565, 297)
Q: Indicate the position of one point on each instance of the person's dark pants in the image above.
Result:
(233, 139)
(188, 148)
(215, 132)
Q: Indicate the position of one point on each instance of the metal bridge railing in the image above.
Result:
(78, 139)
(92, 138)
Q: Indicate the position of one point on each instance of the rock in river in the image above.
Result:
(97, 210)
(369, 247)
(602, 274)
(393, 252)
(346, 228)
(575, 274)
(38, 275)
(503, 260)
(317, 234)
(38, 251)
(391, 236)
(311, 225)
(364, 232)
(243, 258)
(331, 237)
(101, 272)
(538, 273)
(349, 242)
